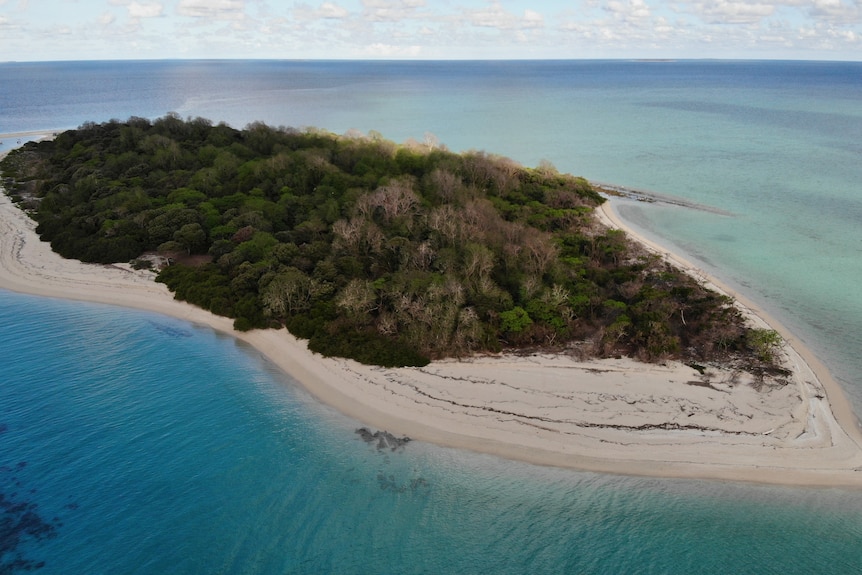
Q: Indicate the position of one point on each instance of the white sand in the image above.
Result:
(615, 416)
(33, 135)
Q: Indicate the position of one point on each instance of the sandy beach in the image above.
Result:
(31, 135)
(35, 134)
(617, 416)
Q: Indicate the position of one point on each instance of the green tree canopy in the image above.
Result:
(389, 254)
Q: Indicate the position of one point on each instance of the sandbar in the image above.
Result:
(612, 415)
(31, 135)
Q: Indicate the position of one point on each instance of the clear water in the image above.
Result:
(155, 446)
(162, 447)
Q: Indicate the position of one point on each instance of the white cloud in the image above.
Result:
(330, 10)
(533, 19)
(629, 11)
(846, 35)
(823, 36)
(212, 9)
(326, 11)
(495, 16)
(439, 29)
(390, 10)
(662, 27)
(835, 10)
(382, 50)
(732, 11)
(138, 10)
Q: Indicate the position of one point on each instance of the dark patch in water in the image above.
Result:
(389, 483)
(20, 523)
(384, 439)
(724, 238)
(170, 330)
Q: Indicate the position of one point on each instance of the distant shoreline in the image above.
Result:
(615, 416)
(43, 133)
(16, 137)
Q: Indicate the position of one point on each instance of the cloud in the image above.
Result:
(382, 50)
(835, 10)
(735, 12)
(495, 16)
(533, 19)
(433, 29)
(629, 11)
(107, 18)
(845, 35)
(390, 10)
(212, 9)
(138, 10)
(332, 11)
(326, 11)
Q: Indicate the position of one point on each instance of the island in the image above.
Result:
(455, 298)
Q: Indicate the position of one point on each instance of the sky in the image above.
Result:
(34, 30)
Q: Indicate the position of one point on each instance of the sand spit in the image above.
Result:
(32, 135)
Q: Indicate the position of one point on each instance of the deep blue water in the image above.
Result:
(149, 445)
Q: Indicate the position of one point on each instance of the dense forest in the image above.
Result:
(389, 254)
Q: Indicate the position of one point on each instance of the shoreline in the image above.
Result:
(38, 134)
(614, 416)
(841, 406)
(32, 135)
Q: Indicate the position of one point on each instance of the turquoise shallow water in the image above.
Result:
(149, 445)
(162, 447)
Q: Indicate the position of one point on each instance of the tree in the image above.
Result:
(354, 240)
(515, 321)
(289, 293)
(191, 237)
(358, 298)
(764, 342)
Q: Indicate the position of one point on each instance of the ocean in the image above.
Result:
(135, 443)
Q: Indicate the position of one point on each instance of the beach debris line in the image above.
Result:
(384, 439)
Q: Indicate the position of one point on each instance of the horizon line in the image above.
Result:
(347, 59)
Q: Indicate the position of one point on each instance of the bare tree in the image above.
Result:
(288, 293)
(431, 141)
(540, 251)
(396, 200)
(358, 236)
(446, 221)
(445, 183)
(478, 262)
(358, 298)
(422, 256)
(390, 202)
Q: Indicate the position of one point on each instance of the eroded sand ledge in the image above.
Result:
(615, 416)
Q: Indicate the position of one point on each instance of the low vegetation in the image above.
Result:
(389, 254)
